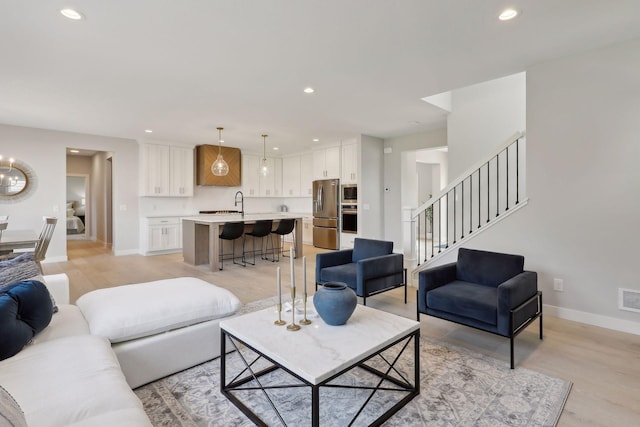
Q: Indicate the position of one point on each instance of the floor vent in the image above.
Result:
(629, 299)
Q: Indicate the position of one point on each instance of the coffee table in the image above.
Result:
(318, 354)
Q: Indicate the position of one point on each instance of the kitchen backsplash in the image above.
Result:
(219, 198)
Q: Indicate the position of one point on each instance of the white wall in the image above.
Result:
(392, 196)
(370, 221)
(581, 223)
(45, 152)
(483, 117)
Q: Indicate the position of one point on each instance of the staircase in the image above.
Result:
(486, 193)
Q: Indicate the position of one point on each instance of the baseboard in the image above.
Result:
(48, 260)
(620, 325)
(126, 252)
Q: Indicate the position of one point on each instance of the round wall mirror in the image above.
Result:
(13, 181)
(17, 181)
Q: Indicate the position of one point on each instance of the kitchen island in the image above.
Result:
(200, 242)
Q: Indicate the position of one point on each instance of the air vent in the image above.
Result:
(629, 299)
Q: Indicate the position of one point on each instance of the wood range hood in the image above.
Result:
(207, 154)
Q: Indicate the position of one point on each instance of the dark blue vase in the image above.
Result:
(335, 303)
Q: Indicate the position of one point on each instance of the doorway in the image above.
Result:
(77, 211)
(95, 168)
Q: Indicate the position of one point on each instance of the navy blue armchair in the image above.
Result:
(485, 290)
(369, 268)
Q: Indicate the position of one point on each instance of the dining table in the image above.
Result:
(18, 239)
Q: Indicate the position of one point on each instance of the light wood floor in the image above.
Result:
(603, 365)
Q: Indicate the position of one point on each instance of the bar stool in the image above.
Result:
(232, 231)
(260, 229)
(286, 226)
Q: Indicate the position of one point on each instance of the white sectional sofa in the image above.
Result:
(79, 370)
(68, 377)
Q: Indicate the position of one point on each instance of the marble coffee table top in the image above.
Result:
(318, 351)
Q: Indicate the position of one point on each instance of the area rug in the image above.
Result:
(458, 388)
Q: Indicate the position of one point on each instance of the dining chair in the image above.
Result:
(40, 250)
(46, 233)
(3, 226)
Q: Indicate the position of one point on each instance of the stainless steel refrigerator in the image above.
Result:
(325, 213)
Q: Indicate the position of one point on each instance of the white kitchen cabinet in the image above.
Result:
(271, 185)
(306, 175)
(167, 171)
(162, 235)
(277, 177)
(326, 163)
(155, 167)
(349, 162)
(291, 176)
(347, 240)
(256, 185)
(181, 172)
(250, 177)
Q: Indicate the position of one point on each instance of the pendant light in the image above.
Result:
(264, 167)
(220, 167)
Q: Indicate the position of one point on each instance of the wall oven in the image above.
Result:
(350, 219)
(349, 194)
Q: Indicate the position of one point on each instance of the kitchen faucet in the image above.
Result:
(235, 203)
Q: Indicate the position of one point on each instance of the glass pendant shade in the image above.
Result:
(263, 170)
(220, 166)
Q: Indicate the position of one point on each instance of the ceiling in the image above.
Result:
(182, 68)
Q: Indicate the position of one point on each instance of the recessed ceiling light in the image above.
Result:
(74, 151)
(148, 131)
(308, 90)
(276, 148)
(315, 140)
(72, 14)
(508, 14)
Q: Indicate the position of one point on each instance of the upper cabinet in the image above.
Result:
(291, 176)
(181, 172)
(349, 162)
(306, 175)
(250, 177)
(167, 171)
(326, 163)
(256, 185)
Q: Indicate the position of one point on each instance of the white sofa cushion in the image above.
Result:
(68, 321)
(132, 311)
(71, 381)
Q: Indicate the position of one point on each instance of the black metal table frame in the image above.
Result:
(403, 383)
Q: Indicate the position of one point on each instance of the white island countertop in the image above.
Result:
(236, 217)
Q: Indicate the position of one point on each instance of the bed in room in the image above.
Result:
(75, 216)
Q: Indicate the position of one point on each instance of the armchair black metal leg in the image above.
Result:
(364, 300)
(404, 272)
(540, 299)
(512, 352)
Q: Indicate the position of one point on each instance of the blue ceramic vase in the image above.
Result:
(335, 303)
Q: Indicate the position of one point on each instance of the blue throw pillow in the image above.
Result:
(25, 310)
